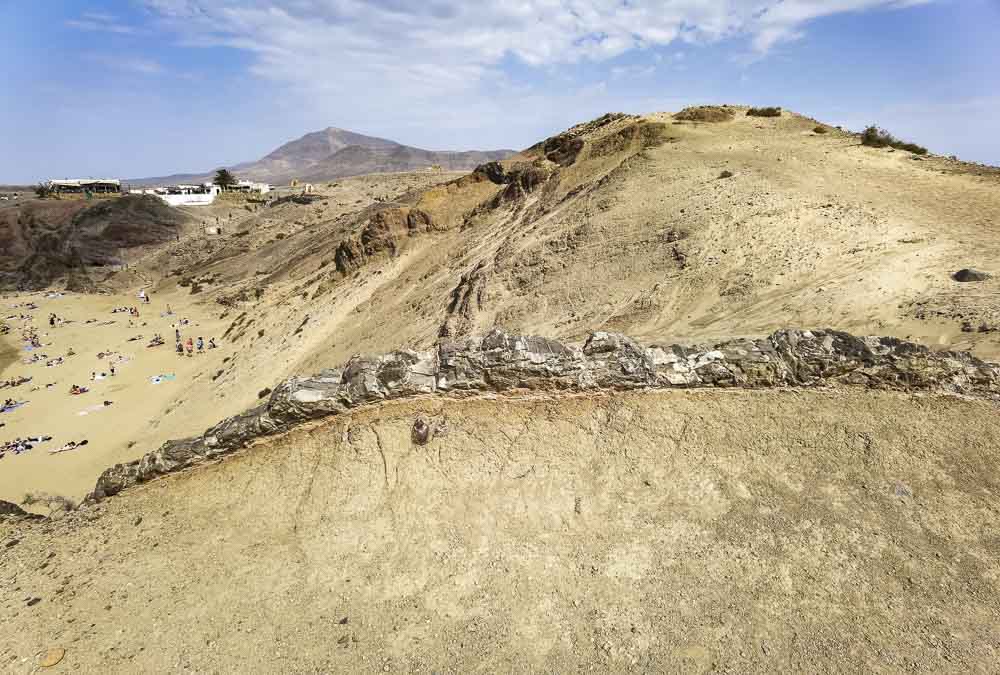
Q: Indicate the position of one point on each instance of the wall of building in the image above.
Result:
(189, 200)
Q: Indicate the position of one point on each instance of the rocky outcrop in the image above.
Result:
(467, 298)
(968, 274)
(634, 137)
(383, 233)
(503, 362)
(563, 149)
(521, 180)
(11, 511)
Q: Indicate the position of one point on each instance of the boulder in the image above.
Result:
(968, 274)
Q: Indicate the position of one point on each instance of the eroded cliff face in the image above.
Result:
(45, 241)
(503, 363)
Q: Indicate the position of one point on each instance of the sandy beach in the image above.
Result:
(8, 352)
(90, 338)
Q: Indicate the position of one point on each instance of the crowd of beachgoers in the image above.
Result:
(40, 349)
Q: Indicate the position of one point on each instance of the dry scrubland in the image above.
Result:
(696, 530)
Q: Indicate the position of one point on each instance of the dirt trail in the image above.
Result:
(668, 531)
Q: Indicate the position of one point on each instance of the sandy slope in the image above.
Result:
(660, 532)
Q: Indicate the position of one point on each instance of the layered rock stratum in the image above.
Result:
(503, 363)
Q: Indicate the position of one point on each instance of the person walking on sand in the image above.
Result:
(190, 346)
(177, 334)
(201, 344)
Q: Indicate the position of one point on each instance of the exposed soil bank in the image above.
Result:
(735, 530)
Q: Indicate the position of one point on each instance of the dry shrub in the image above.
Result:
(820, 129)
(874, 137)
(705, 113)
(764, 112)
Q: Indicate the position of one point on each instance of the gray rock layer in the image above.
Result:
(502, 362)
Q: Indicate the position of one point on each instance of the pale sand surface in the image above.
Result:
(725, 531)
(138, 412)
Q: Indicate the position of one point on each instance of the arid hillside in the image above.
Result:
(660, 532)
(49, 241)
(625, 223)
(744, 487)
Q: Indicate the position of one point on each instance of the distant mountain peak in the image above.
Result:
(318, 156)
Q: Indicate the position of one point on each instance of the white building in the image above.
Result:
(250, 186)
(184, 195)
(82, 185)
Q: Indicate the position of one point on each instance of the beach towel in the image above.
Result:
(156, 379)
(14, 406)
(92, 409)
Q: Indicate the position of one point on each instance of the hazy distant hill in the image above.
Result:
(336, 153)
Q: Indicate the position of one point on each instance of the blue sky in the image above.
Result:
(134, 88)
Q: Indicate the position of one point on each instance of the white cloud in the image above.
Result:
(388, 57)
(100, 22)
(444, 45)
(128, 63)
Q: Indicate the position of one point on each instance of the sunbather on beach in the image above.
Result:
(72, 445)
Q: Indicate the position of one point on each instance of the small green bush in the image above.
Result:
(820, 130)
(874, 137)
(764, 112)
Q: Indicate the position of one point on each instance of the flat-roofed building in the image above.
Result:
(183, 195)
(251, 186)
(83, 185)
